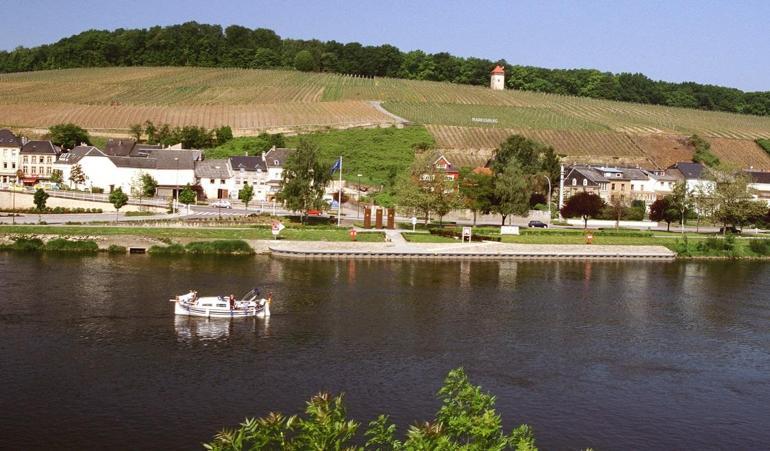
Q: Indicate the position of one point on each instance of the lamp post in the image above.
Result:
(549, 197)
(358, 199)
(176, 189)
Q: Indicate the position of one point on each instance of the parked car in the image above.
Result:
(221, 203)
(539, 224)
(314, 213)
(730, 229)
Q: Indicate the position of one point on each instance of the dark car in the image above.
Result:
(539, 224)
(730, 229)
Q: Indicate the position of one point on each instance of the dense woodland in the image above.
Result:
(193, 44)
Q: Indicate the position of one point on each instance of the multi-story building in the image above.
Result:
(263, 172)
(10, 147)
(37, 160)
(215, 178)
(585, 179)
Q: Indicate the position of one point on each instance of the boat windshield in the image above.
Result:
(252, 295)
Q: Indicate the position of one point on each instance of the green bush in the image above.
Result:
(760, 247)
(23, 244)
(229, 247)
(64, 245)
(116, 249)
(171, 249)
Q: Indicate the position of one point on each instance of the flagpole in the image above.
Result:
(339, 197)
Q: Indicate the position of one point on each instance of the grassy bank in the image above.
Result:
(218, 247)
(55, 245)
(377, 153)
(167, 233)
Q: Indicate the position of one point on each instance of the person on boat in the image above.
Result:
(232, 301)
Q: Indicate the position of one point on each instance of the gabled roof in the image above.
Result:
(634, 174)
(213, 169)
(690, 171)
(174, 158)
(8, 139)
(589, 173)
(77, 153)
(134, 162)
(278, 155)
(40, 148)
(247, 164)
(498, 70)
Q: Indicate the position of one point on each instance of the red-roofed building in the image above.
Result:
(497, 82)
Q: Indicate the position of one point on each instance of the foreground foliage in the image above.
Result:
(467, 420)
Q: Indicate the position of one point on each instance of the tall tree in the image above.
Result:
(477, 190)
(583, 205)
(304, 179)
(246, 194)
(680, 200)
(511, 192)
(40, 199)
(77, 176)
(136, 131)
(662, 210)
(118, 199)
(187, 197)
(68, 135)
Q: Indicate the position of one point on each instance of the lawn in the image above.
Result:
(378, 154)
(167, 233)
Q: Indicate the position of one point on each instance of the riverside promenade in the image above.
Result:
(397, 248)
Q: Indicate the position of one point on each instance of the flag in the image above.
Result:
(336, 166)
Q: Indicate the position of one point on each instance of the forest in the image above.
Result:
(194, 44)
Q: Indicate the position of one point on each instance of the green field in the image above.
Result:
(375, 153)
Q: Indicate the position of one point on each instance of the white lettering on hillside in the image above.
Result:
(487, 120)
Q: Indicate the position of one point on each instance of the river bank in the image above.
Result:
(332, 242)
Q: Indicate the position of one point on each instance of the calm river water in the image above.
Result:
(607, 355)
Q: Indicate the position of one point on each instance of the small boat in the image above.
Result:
(250, 305)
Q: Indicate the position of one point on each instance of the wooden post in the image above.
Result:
(391, 218)
(379, 218)
(367, 218)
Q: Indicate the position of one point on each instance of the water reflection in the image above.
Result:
(190, 328)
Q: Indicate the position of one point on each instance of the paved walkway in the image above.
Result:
(448, 251)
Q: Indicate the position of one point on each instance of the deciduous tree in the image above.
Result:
(68, 135)
(40, 198)
(511, 192)
(584, 205)
(304, 179)
(246, 194)
(77, 176)
(187, 196)
(118, 199)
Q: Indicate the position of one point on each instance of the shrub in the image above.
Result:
(24, 244)
(116, 249)
(171, 249)
(230, 247)
(64, 245)
(760, 247)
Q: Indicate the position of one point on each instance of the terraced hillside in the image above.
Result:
(459, 116)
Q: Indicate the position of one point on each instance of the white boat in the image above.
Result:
(250, 305)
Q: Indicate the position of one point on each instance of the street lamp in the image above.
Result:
(549, 197)
(176, 189)
(358, 199)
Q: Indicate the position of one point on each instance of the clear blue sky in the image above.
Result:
(718, 42)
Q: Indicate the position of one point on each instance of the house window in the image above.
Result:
(574, 181)
(585, 182)
(613, 187)
(48, 170)
(48, 160)
(24, 160)
(221, 181)
(277, 163)
(34, 169)
(13, 165)
(632, 187)
(24, 169)
(622, 186)
(41, 160)
(211, 181)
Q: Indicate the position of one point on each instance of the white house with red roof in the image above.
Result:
(497, 81)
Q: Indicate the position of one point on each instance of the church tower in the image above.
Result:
(497, 81)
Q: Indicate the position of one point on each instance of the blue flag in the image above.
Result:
(337, 164)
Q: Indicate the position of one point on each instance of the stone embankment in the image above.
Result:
(473, 251)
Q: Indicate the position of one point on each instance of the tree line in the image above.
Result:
(194, 44)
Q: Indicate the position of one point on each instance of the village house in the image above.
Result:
(585, 179)
(37, 160)
(10, 147)
(759, 182)
(172, 169)
(215, 178)
(263, 172)
(692, 174)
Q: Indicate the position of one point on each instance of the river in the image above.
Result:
(610, 355)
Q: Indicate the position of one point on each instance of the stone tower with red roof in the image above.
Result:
(497, 81)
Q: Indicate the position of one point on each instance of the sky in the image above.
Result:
(716, 42)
